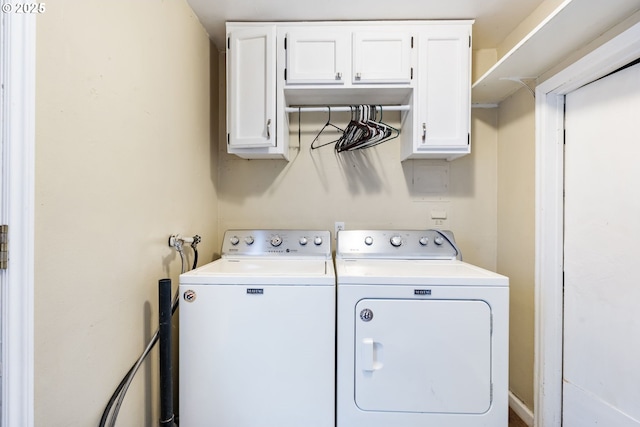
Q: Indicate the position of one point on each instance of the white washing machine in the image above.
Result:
(257, 333)
(422, 336)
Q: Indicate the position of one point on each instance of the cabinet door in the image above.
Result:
(317, 56)
(381, 57)
(251, 87)
(444, 89)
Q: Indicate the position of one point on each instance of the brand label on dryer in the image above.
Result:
(255, 291)
(422, 291)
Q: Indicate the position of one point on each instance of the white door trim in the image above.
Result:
(17, 126)
(550, 212)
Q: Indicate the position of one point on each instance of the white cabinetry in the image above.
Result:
(317, 56)
(382, 56)
(251, 91)
(442, 107)
(338, 55)
(423, 67)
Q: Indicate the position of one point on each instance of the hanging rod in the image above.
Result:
(319, 109)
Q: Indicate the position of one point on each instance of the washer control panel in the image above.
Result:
(397, 244)
(285, 243)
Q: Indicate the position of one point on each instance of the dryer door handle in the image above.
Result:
(370, 355)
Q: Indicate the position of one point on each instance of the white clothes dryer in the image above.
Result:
(422, 337)
(257, 333)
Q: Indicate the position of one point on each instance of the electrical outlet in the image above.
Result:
(339, 225)
(438, 218)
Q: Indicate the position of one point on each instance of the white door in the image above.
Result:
(382, 57)
(251, 85)
(17, 174)
(601, 379)
(444, 88)
(414, 356)
(318, 56)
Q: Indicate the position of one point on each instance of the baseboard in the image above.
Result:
(521, 409)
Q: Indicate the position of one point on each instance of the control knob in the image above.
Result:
(249, 240)
(234, 240)
(368, 240)
(424, 241)
(396, 241)
(303, 241)
(438, 240)
(317, 241)
(276, 241)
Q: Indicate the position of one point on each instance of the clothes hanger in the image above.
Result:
(389, 132)
(326, 125)
(364, 129)
(376, 131)
(358, 130)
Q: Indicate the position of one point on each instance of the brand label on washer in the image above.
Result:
(255, 291)
(422, 291)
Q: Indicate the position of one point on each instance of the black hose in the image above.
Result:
(166, 377)
(195, 258)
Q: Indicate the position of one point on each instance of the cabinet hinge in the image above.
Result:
(285, 43)
(469, 41)
(228, 139)
(228, 42)
(285, 74)
(468, 139)
(411, 42)
(411, 73)
(4, 246)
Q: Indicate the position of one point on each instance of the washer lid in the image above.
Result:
(278, 271)
(413, 272)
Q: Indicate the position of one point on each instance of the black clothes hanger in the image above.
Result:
(365, 129)
(326, 125)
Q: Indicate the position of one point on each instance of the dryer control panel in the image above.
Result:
(397, 244)
(280, 243)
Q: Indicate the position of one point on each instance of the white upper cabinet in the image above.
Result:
(344, 55)
(441, 125)
(251, 90)
(381, 57)
(317, 56)
(421, 68)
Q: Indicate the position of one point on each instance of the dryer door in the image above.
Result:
(423, 356)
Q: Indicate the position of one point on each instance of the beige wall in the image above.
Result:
(516, 233)
(123, 159)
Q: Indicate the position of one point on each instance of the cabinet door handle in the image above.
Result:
(268, 128)
(338, 76)
(424, 131)
(358, 76)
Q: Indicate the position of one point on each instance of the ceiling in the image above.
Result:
(494, 19)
